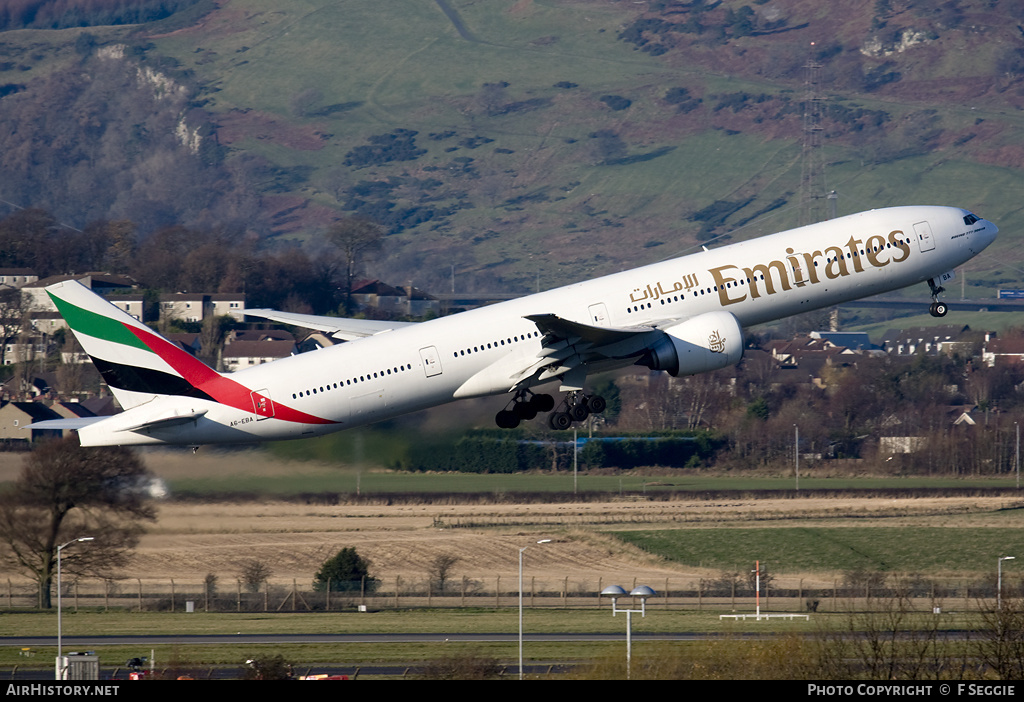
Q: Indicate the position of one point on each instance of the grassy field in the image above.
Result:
(926, 551)
(589, 620)
(233, 473)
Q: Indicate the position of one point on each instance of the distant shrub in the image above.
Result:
(46, 14)
(399, 145)
(346, 571)
(616, 102)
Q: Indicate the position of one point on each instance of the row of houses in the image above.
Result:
(123, 291)
(241, 349)
(827, 347)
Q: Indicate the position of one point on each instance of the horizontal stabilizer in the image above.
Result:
(340, 327)
(162, 422)
(77, 423)
(62, 424)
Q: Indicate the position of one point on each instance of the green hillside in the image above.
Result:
(519, 141)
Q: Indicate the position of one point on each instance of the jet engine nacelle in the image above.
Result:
(708, 342)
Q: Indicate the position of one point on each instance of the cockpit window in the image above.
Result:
(971, 219)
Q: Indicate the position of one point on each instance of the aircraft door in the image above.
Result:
(431, 361)
(924, 236)
(262, 405)
(599, 315)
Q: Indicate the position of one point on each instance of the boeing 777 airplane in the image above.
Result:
(683, 316)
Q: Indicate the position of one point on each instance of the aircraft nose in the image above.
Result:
(984, 237)
(991, 231)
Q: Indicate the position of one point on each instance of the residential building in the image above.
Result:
(34, 297)
(15, 416)
(930, 341)
(185, 307)
(17, 277)
(399, 301)
(245, 354)
(196, 307)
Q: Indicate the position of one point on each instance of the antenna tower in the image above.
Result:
(812, 162)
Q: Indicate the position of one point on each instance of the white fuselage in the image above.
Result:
(475, 353)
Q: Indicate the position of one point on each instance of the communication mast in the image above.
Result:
(812, 163)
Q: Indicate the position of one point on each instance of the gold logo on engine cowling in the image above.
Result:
(716, 343)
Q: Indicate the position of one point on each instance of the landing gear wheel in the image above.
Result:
(524, 410)
(596, 404)
(543, 403)
(937, 309)
(559, 421)
(579, 413)
(506, 419)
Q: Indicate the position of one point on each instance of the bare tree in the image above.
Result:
(66, 492)
(355, 239)
(1001, 647)
(440, 569)
(253, 573)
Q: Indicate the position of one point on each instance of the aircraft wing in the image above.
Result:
(339, 327)
(551, 325)
(568, 345)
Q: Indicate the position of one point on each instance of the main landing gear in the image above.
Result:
(576, 407)
(937, 309)
(524, 406)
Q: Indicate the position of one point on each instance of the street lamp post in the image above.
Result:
(999, 580)
(542, 541)
(796, 455)
(641, 591)
(59, 650)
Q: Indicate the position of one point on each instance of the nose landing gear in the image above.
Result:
(937, 309)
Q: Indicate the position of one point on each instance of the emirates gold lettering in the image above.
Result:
(762, 273)
(839, 261)
(724, 294)
(836, 266)
(794, 262)
(876, 247)
(812, 269)
(899, 241)
(852, 245)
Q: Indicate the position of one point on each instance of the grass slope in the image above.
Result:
(409, 65)
(302, 83)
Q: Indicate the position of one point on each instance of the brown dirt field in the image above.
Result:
(190, 540)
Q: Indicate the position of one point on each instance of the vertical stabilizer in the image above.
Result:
(136, 363)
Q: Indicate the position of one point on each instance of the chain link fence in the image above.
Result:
(280, 595)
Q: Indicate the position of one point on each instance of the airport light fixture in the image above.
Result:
(542, 541)
(641, 591)
(999, 580)
(60, 548)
